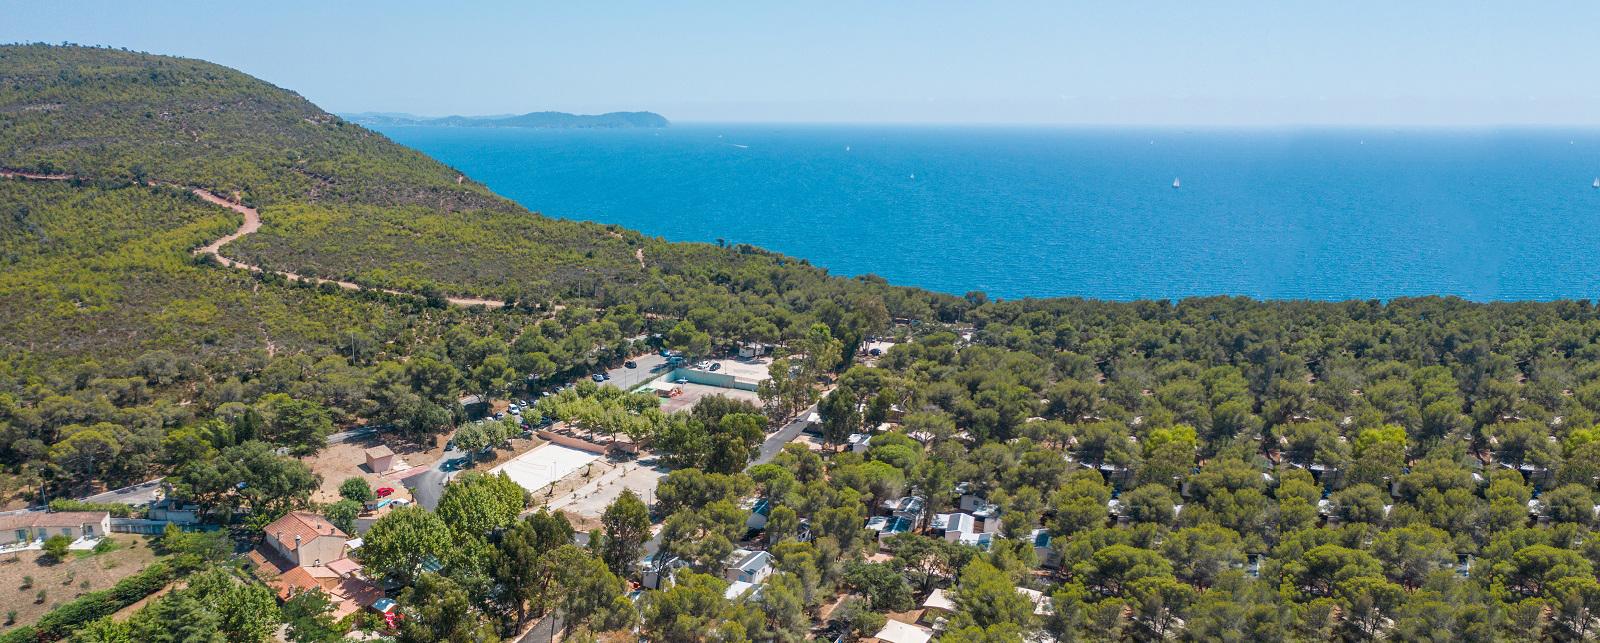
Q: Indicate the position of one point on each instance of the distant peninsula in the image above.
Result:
(545, 120)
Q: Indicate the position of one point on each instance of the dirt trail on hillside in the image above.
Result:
(252, 223)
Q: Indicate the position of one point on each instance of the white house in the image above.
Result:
(748, 566)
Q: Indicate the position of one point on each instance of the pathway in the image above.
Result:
(252, 222)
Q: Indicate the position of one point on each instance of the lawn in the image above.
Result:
(59, 582)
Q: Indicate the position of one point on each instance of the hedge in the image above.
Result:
(66, 504)
(64, 620)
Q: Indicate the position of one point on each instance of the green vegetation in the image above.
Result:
(91, 606)
(1205, 469)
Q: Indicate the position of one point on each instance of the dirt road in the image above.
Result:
(252, 223)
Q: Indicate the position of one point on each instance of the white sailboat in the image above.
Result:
(1176, 184)
(1597, 183)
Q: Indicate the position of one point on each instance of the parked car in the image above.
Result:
(384, 491)
(598, 377)
(716, 365)
(630, 364)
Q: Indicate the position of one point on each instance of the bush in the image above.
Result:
(106, 544)
(68, 504)
(25, 634)
(67, 618)
(27, 583)
(356, 489)
(56, 546)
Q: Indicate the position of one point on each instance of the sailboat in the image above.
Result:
(1175, 184)
(1597, 183)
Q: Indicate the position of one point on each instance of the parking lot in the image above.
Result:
(749, 370)
(628, 379)
(693, 392)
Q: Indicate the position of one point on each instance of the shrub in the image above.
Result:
(27, 583)
(68, 504)
(69, 616)
(357, 489)
(56, 546)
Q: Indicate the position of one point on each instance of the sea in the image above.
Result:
(1014, 212)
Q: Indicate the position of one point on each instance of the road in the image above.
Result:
(775, 442)
(628, 379)
(140, 494)
(252, 223)
(352, 434)
(426, 487)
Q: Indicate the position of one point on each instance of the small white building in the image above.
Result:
(859, 442)
(758, 515)
(657, 571)
(747, 566)
(1042, 551)
(954, 524)
(896, 632)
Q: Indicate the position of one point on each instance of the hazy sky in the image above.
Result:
(1417, 62)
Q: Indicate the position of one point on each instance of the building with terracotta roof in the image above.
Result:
(302, 551)
(348, 593)
(306, 539)
(30, 526)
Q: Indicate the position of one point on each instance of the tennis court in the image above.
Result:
(544, 465)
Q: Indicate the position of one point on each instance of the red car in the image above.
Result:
(385, 491)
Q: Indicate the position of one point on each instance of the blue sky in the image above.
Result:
(1415, 62)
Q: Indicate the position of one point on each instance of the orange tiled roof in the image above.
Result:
(293, 582)
(308, 526)
(267, 562)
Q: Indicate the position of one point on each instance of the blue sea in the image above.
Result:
(1036, 212)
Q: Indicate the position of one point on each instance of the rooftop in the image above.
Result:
(51, 519)
(304, 524)
(896, 632)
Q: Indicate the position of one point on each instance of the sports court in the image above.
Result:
(544, 465)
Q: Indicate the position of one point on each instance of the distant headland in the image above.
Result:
(547, 120)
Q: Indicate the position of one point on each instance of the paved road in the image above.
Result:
(629, 378)
(544, 631)
(352, 434)
(140, 494)
(426, 487)
(775, 442)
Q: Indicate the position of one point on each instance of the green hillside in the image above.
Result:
(106, 317)
(1213, 469)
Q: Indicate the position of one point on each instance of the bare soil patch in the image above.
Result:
(63, 581)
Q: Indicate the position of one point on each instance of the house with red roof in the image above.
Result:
(302, 552)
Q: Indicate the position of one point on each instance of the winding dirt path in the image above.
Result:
(252, 223)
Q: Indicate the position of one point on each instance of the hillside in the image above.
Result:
(336, 200)
(534, 120)
(107, 317)
(1201, 470)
